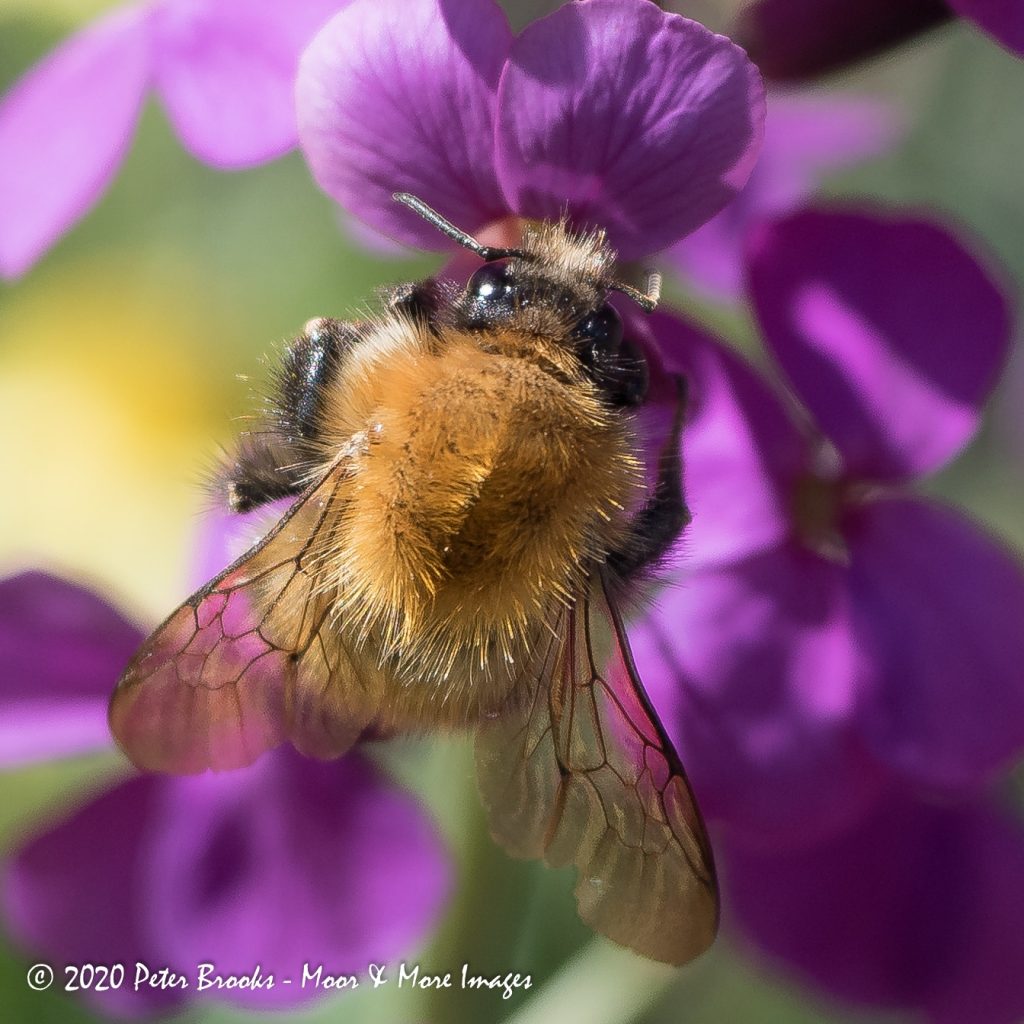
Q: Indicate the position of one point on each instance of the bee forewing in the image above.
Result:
(249, 661)
(581, 772)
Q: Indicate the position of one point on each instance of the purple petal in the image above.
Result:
(76, 893)
(64, 129)
(1001, 19)
(641, 122)
(742, 452)
(61, 650)
(892, 334)
(400, 96)
(796, 39)
(753, 668)
(919, 907)
(294, 861)
(938, 606)
(222, 537)
(805, 137)
(285, 862)
(226, 72)
(987, 986)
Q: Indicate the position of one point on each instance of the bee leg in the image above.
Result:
(422, 300)
(664, 516)
(271, 461)
(263, 469)
(310, 366)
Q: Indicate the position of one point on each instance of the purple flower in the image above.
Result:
(841, 662)
(1001, 19)
(225, 70)
(805, 137)
(918, 906)
(642, 122)
(288, 861)
(834, 629)
(799, 39)
(51, 708)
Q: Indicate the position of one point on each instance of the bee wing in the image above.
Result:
(580, 771)
(250, 660)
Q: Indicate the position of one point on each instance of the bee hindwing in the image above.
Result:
(578, 770)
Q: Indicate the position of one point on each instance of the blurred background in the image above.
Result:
(120, 356)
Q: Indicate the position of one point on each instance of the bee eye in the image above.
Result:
(490, 294)
(599, 333)
(617, 366)
(491, 281)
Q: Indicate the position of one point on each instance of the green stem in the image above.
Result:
(601, 985)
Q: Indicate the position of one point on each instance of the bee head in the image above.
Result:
(556, 284)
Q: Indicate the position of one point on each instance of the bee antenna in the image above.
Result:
(647, 299)
(486, 252)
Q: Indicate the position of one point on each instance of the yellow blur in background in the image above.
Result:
(114, 401)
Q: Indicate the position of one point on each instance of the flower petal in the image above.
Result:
(791, 40)
(1001, 19)
(75, 894)
(641, 122)
(987, 986)
(61, 650)
(754, 671)
(64, 129)
(226, 72)
(294, 861)
(285, 862)
(938, 608)
(742, 453)
(892, 334)
(903, 911)
(400, 96)
(805, 137)
(222, 537)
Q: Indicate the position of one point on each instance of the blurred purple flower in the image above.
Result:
(919, 906)
(1001, 19)
(48, 710)
(225, 70)
(791, 40)
(835, 631)
(841, 662)
(642, 122)
(805, 137)
(288, 861)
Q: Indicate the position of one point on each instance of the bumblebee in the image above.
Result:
(469, 512)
